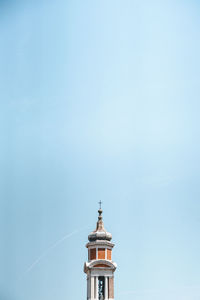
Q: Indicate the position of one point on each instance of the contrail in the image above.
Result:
(51, 248)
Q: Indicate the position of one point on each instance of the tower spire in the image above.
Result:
(100, 225)
(100, 267)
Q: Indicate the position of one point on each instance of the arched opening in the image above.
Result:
(101, 288)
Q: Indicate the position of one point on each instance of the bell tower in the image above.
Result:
(100, 268)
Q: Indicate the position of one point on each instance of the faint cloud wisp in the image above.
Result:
(54, 245)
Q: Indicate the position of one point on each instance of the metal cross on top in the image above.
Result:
(100, 202)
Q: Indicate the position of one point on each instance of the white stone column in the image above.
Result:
(106, 288)
(97, 289)
(88, 287)
(92, 288)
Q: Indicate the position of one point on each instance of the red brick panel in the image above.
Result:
(92, 254)
(109, 254)
(101, 253)
(111, 288)
(101, 266)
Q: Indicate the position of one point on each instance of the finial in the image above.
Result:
(100, 211)
(100, 233)
(100, 202)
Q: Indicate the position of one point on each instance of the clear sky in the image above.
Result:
(99, 99)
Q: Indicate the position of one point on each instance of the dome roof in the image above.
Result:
(100, 233)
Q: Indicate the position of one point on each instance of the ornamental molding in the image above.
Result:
(94, 264)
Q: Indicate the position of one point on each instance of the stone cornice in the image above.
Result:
(108, 264)
(100, 243)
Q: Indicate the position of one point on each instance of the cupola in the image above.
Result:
(100, 268)
(100, 233)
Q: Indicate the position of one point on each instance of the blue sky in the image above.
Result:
(99, 100)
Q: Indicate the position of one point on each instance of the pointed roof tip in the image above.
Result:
(100, 225)
(100, 233)
(100, 211)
